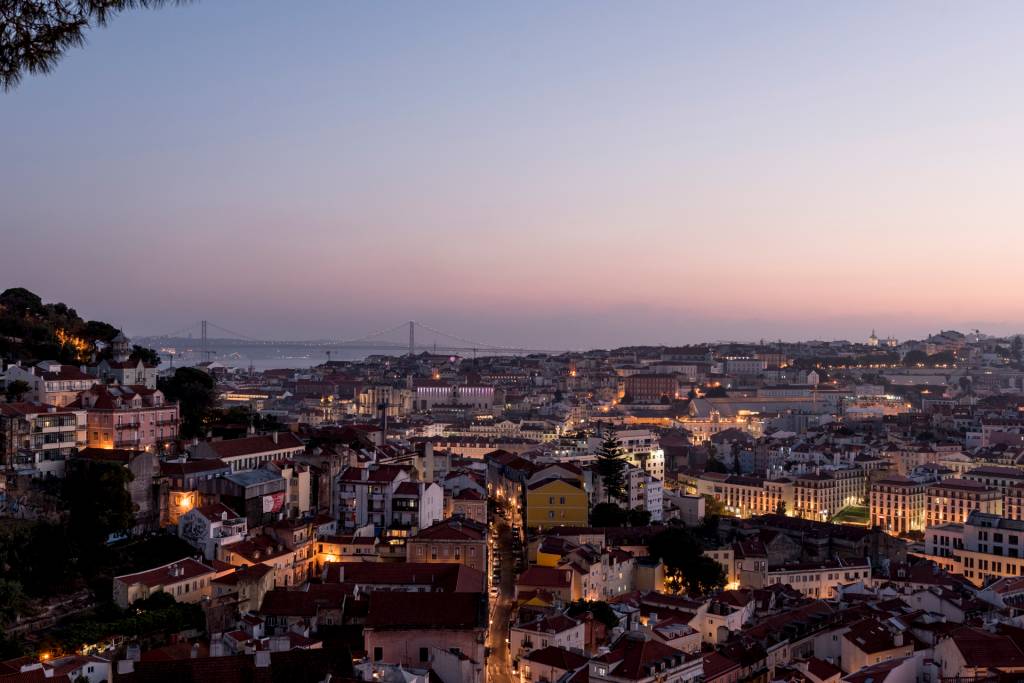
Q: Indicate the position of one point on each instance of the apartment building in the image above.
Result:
(51, 383)
(132, 417)
(39, 437)
(251, 452)
(984, 546)
(821, 495)
(748, 496)
(897, 505)
(451, 540)
(385, 496)
(952, 500)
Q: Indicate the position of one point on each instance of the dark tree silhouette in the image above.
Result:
(16, 390)
(34, 34)
(610, 466)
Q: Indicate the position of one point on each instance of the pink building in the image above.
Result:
(132, 417)
(414, 629)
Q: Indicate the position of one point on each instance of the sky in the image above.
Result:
(554, 174)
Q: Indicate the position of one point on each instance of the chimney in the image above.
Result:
(133, 653)
(262, 659)
(275, 437)
(194, 654)
(216, 645)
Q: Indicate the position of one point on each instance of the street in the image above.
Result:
(499, 666)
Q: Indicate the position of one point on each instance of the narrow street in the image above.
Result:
(499, 665)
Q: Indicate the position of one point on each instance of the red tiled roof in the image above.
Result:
(635, 655)
(162, 575)
(545, 577)
(447, 577)
(452, 530)
(400, 610)
(981, 649)
(250, 445)
(558, 658)
(171, 469)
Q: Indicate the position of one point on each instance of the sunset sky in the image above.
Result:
(556, 174)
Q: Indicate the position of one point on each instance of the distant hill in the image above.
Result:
(32, 331)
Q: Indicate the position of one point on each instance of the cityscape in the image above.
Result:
(575, 342)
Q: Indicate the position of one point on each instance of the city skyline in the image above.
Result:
(568, 177)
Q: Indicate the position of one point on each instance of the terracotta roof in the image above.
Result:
(636, 657)
(981, 649)
(250, 445)
(545, 577)
(449, 577)
(558, 658)
(162, 576)
(452, 530)
(192, 466)
(822, 670)
(716, 664)
(401, 610)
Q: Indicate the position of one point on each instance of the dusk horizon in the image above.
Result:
(530, 174)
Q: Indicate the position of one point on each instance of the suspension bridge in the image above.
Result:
(410, 336)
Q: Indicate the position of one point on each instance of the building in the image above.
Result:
(820, 580)
(411, 629)
(556, 501)
(819, 496)
(187, 580)
(182, 480)
(38, 439)
(746, 496)
(469, 503)
(121, 369)
(985, 546)
(133, 417)
(386, 497)
(450, 540)
(538, 632)
(636, 658)
(51, 382)
(551, 664)
(210, 527)
(897, 505)
(953, 500)
(650, 388)
(251, 452)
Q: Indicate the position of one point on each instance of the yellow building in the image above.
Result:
(556, 502)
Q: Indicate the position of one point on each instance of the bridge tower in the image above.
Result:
(412, 338)
(206, 353)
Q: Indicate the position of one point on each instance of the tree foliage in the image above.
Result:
(611, 465)
(16, 390)
(686, 567)
(601, 610)
(193, 389)
(34, 34)
(607, 515)
(98, 501)
(32, 331)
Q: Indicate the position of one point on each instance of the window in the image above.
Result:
(378, 654)
(424, 654)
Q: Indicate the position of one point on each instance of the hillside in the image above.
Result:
(31, 331)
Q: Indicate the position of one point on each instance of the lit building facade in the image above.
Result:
(897, 505)
(953, 500)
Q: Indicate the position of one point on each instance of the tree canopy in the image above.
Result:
(611, 465)
(193, 389)
(34, 34)
(686, 567)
